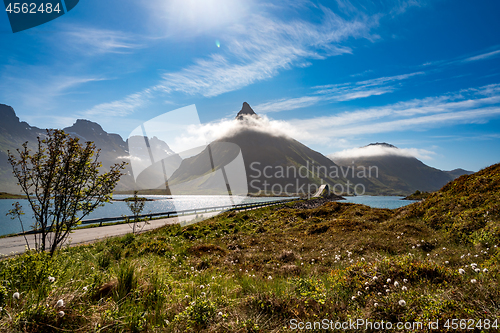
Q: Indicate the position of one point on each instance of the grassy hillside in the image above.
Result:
(466, 209)
(255, 271)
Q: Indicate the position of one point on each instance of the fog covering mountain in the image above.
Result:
(290, 165)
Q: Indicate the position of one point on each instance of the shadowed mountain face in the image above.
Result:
(402, 174)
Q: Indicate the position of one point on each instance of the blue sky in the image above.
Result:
(335, 75)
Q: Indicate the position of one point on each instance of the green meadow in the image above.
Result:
(256, 271)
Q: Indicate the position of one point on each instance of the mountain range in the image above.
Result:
(269, 158)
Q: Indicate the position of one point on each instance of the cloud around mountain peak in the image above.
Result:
(381, 149)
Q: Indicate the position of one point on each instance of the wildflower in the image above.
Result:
(85, 288)
(404, 288)
(360, 293)
(202, 286)
(375, 305)
(387, 290)
(388, 280)
(428, 254)
(51, 279)
(15, 295)
(473, 265)
(269, 277)
(396, 284)
(353, 298)
(473, 281)
(220, 314)
(367, 283)
(203, 293)
(379, 293)
(60, 303)
(413, 247)
(187, 296)
(362, 259)
(60, 314)
(444, 248)
(446, 262)
(375, 278)
(367, 288)
(405, 280)
(461, 271)
(477, 270)
(402, 302)
(485, 270)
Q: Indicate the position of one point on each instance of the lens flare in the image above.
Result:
(217, 43)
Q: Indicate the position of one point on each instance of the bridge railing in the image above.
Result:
(174, 213)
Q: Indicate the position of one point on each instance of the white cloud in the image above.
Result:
(98, 41)
(120, 108)
(483, 56)
(261, 47)
(338, 92)
(36, 87)
(256, 49)
(468, 106)
(370, 151)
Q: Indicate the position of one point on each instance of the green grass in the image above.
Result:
(254, 271)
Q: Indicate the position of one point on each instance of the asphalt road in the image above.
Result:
(10, 246)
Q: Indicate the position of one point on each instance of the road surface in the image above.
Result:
(10, 246)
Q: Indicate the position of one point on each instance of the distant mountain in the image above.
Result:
(397, 173)
(459, 172)
(270, 159)
(13, 133)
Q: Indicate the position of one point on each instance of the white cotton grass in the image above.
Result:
(396, 284)
(51, 279)
(461, 271)
(60, 303)
(16, 295)
(402, 302)
(473, 281)
(404, 288)
(60, 314)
